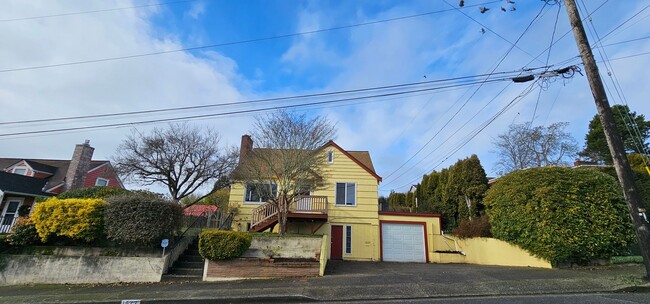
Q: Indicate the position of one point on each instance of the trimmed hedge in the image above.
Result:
(92, 192)
(560, 214)
(223, 245)
(141, 219)
(24, 233)
(78, 219)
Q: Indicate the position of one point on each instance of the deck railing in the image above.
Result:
(309, 204)
(301, 204)
(6, 222)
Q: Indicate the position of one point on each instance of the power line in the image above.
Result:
(490, 30)
(474, 93)
(246, 111)
(96, 11)
(477, 131)
(624, 22)
(245, 41)
(360, 90)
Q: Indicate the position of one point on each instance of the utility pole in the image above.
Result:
(623, 170)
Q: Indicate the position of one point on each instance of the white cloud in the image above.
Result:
(196, 10)
(155, 82)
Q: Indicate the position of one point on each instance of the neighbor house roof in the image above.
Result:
(197, 210)
(20, 184)
(57, 167)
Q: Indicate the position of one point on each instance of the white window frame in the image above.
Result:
(101, 179)
(20, 168)
(330, 157)
(336, 189)
(348, 234)
(254, 202)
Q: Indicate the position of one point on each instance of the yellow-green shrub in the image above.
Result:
(223, 245)
(80, 219)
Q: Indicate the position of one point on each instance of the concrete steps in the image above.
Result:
(188, 267)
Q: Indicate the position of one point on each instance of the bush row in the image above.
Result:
(131, 218)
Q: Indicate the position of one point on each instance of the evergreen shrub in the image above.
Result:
(560, 214)
(24, 233)
(141, 219)
(92, 192)
(77, 219)
(223, 245)
(476, 227)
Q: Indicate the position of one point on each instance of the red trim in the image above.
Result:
(381, 239)
(409, 214)
(332, 143)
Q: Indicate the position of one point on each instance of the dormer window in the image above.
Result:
(21, 171)
(330, 156)
(101, 182)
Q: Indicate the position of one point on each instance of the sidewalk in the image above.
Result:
(351, 281)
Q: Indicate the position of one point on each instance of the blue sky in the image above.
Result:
(443, 45)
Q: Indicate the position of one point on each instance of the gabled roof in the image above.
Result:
(41, 167)
(362, 158)
(57, 167)
(20, 184)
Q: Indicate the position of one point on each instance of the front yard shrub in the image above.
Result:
(560, 214)
(141, 219)
(23, 233)
(92, 192)
(4, 242)
(476, 227)
(77, 219)
(223, 245)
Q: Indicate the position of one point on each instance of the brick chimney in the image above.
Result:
(246, 147)
(79, 165)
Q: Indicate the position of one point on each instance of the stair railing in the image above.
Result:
(263, 213)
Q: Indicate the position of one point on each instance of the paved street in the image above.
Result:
(369, 282)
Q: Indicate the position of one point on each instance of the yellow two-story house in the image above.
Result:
(346, 208)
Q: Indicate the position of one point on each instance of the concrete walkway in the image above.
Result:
(351, 281)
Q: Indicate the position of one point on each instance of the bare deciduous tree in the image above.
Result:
(523, 147)
(286, 160)
(183, 158)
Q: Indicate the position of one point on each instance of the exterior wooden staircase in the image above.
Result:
(303, 207)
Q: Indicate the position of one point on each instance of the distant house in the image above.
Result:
(22, 180)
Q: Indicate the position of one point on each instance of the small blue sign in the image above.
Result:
(164, 243)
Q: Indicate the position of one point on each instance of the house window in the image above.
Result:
(259, 192)
(346, 194)
(21, 171)
(348, 239)
(101, 182)
(330, 156)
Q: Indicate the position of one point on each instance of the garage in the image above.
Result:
(403, 242)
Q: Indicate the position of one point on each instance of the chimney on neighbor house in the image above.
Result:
(246, 147)
(79, 165)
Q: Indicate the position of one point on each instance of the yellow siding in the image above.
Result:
(362, 217)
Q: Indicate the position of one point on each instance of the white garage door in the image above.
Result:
(403, 242)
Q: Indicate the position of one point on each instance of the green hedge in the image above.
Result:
(141, 219)
(223, 245)
(93, 192)
(560, 214)
(24, 233)
(77, 219)
(4, 242)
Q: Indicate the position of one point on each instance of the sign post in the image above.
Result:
(164, 244)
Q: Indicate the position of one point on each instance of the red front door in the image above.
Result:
(336, 243)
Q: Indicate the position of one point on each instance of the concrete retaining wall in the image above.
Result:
(50, 269)
(485, 251)
(272, 257)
